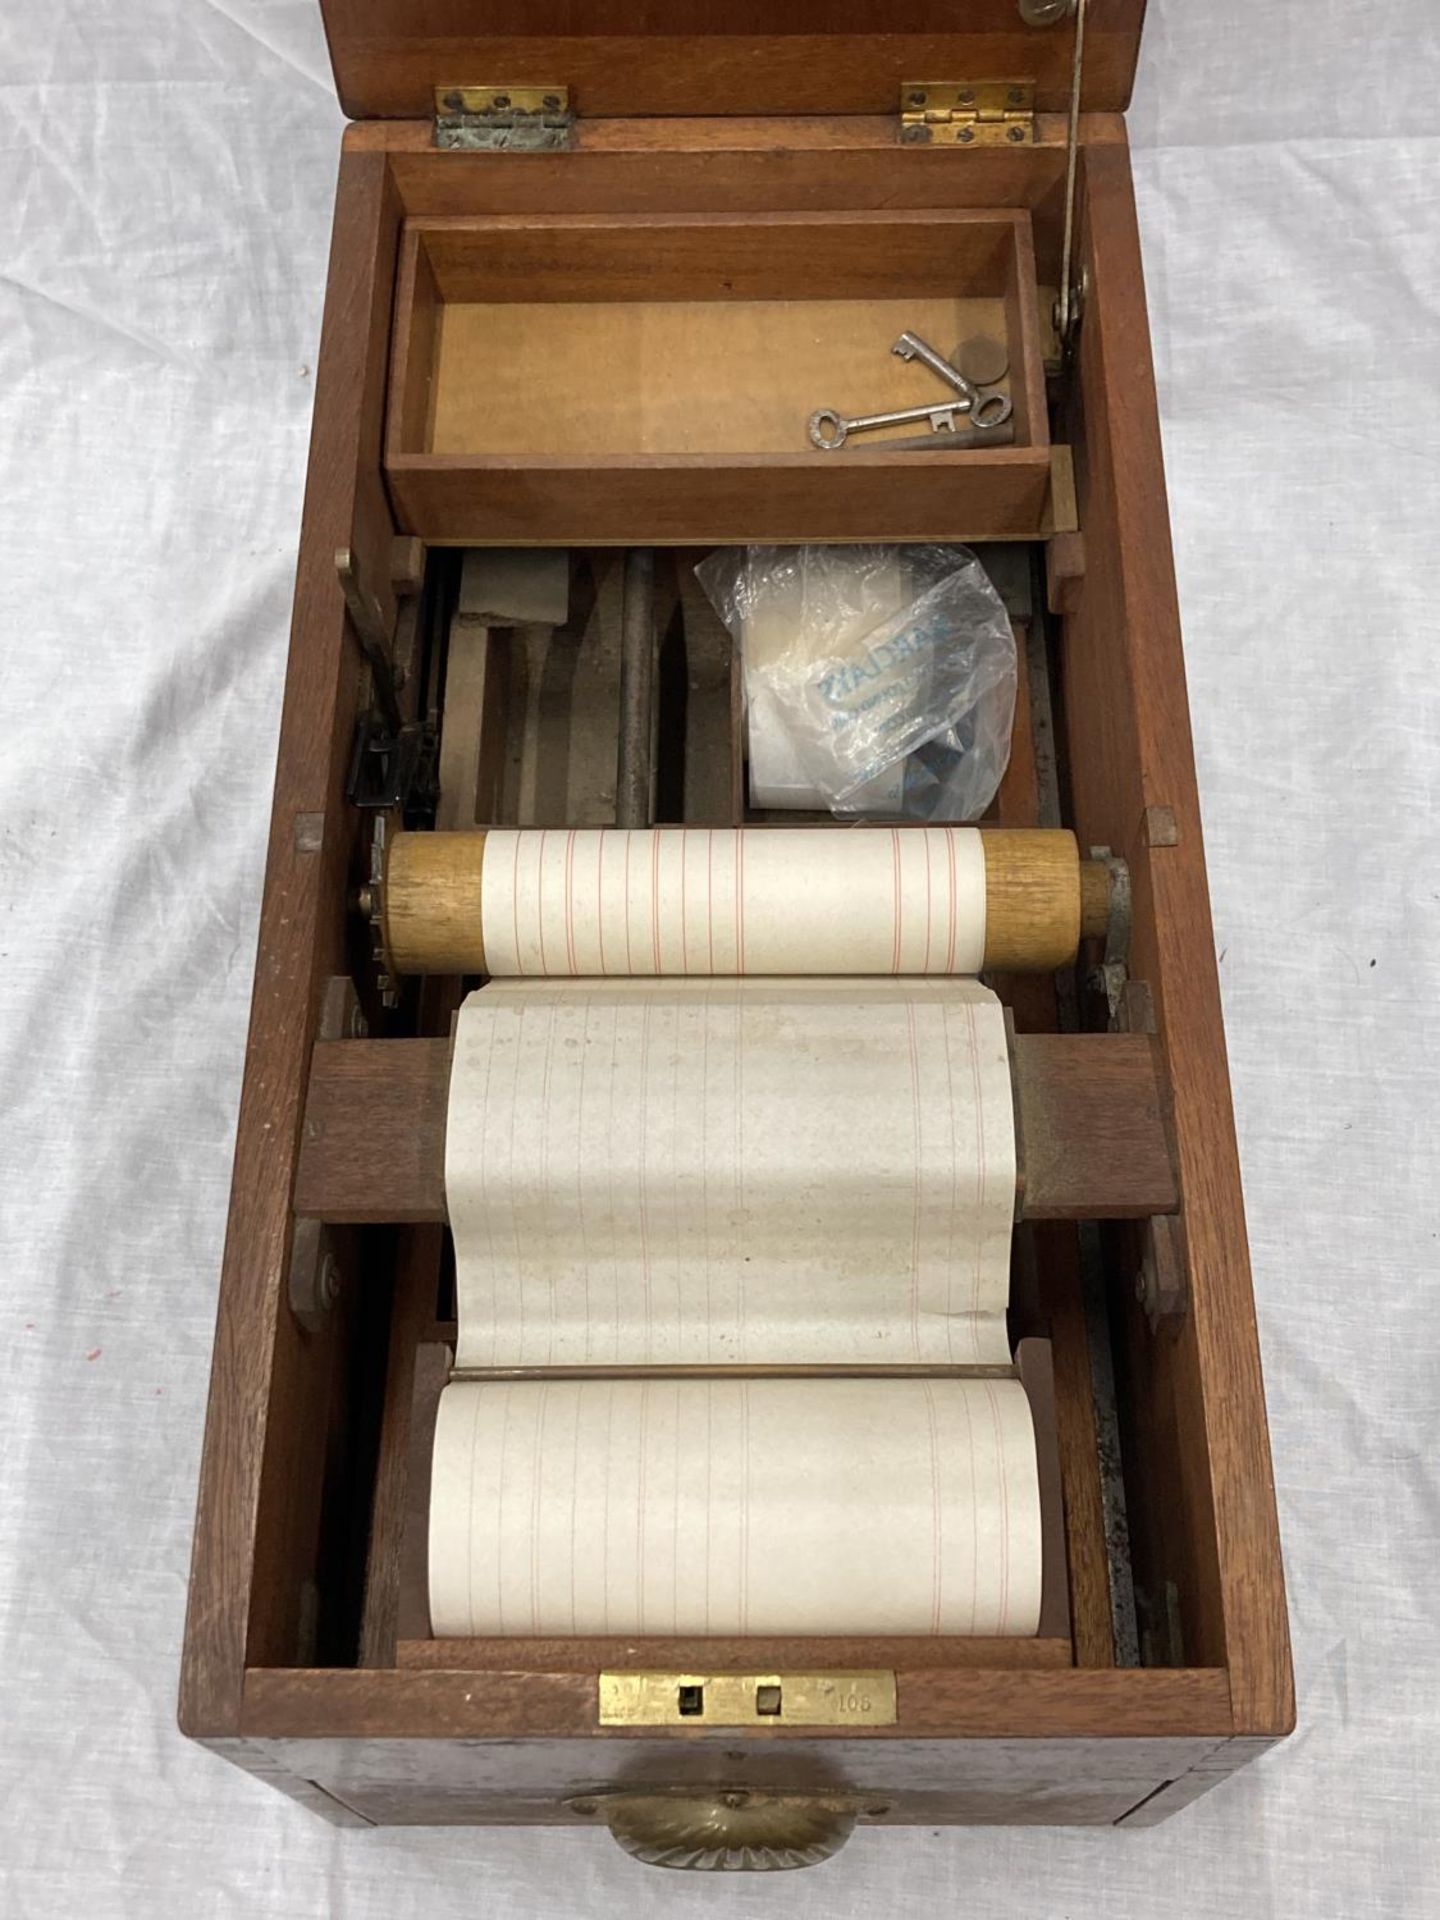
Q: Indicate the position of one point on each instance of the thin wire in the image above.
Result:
(1071, 157)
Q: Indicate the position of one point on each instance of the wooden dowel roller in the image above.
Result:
(815, 900)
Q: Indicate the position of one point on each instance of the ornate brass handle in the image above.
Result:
(727, 1829)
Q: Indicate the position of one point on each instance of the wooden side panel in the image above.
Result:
(1053, 1246)
(988, 1782)
(249, 1551)
(412, 1316)
(777, 256)
(843, 162)
(1205, 1513)
(1022, 327)
(992, 494)
(705, 56)
(733, 1655)
(1184, 1790)
(416, 346)
(983, 1782)
(413, 1747)
(954, 1703)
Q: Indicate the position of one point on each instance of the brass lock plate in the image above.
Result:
(839, 1698)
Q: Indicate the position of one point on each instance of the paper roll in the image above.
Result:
(717, 1172)
(719, 901)
(735, 1507)
(757, 900)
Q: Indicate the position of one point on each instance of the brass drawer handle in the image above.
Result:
(727, 1830)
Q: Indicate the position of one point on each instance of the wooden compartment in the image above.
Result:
(646, 377)
(301, 1661)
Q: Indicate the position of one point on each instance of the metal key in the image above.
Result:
(829, 429)
(945, 442)
(986, 409)
(911, 347)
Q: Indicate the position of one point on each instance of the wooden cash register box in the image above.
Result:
(593, 266)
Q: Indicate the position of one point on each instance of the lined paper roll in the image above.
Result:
(606, 901)
(719, 901)
(681, 1173)
(735, 1507)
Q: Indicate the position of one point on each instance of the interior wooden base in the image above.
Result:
(683, 376)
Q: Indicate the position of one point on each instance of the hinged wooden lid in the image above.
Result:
(696, 57)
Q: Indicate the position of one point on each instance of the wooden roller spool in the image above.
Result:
(1041, 900)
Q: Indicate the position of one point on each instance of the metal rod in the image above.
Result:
(1062, 324)
(634, 772)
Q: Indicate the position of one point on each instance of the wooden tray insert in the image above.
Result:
(538, 359)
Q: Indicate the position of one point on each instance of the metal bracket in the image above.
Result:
(504, 119)
(1071, 301)
(665, 1699)
(314, 1281)
(967, 113)
(392, 757)
(1113, 973)
(372, 907)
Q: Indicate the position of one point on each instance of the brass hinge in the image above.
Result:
(504, 119)
(967, 113)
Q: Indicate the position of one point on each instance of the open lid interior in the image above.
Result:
(700, 57)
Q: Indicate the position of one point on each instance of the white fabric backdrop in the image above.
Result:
(166, 169)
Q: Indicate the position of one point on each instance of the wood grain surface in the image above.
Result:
(700, 56)
(953, 1703)
(1208, 1526)
(254, 1544)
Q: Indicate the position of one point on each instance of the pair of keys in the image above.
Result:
(986, 411)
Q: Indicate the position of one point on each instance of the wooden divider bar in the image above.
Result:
(1090, 1114)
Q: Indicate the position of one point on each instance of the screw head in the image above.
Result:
(502, 100)
(454, 101)
(552, 101)
(734, 1799)
(916, 135)
(967, 134)
(327, 1287)
(583, 1806)
(1016, 135)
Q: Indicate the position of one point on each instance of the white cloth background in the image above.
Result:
(166, 169)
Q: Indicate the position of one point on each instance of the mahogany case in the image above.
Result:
(747, 155)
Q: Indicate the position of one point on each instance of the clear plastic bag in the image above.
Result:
(877, 678)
